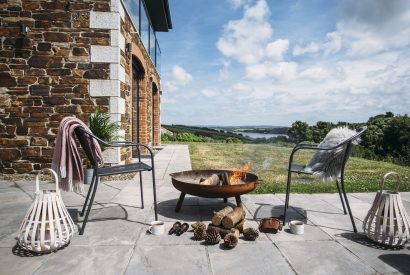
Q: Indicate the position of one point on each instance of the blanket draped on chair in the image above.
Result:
(66, 158)
(327, 165)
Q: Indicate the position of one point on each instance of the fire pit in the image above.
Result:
(190, 182)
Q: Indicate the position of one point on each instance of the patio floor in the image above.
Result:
(116, 241)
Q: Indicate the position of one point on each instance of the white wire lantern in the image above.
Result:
(387, 222)
(47, 225)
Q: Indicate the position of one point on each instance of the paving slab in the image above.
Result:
(323, 257)
(14, 261)
(97, 260)
(172, 259)
(250, 258)
(384, 261)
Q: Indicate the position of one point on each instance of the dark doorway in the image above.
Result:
(154, 95)
(137, 76)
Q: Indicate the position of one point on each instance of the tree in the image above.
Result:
(396, 138)
(320, 130)
(300, 131)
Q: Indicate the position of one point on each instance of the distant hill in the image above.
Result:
(216, 134)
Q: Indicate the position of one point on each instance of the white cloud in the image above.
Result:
(179, 78)
(256, 71)
(180, 75)
(313, 47)
(320, 73)
(245, 39)
(237, 3)
(364, 28)
(224, 71)
(277, 49)
(209, 92)
(332, 45)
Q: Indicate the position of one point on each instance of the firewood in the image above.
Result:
(223, 231)
(224, 178)
(212, 180)
(237, 215)
(240, 225)
(218, 216)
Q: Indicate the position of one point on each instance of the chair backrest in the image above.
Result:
(349, 146)
(86, 140)
(329, 162)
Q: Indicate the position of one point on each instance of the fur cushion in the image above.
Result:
(327, 165)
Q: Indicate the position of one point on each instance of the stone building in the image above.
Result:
(63, 58)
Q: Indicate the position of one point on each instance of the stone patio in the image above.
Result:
(116, 241)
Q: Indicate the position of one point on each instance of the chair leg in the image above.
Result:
(155, 194)
(341, 198)
(348, 206)
(142, 192)
(287, 196)
(90, 205)
(88, 194)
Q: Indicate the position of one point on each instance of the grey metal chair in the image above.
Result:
(346, 146)
(86, 140)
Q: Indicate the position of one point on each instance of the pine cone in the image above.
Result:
(212, 236)
(198, 225)
(199, 234)
(250, 234)
(230, 240)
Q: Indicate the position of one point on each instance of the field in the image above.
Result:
(269, 163)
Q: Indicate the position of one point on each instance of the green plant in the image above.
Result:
(102, 127)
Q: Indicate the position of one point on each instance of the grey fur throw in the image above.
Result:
(327, 165)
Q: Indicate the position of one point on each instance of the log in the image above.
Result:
(240, 226)
(237, 215)
(218, 216)
(212, 180)
(223, 231)
(224, 178)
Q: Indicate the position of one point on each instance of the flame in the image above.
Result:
(237, 175)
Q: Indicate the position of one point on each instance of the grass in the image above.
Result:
(269, 163)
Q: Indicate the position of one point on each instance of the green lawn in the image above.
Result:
(269, 163)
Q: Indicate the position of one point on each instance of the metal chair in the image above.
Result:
(301, 169)
(86, 140)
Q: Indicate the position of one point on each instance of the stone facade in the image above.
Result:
(71, 62)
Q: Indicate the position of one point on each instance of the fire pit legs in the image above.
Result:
(182, 197)
(238, 201)
(179, 203)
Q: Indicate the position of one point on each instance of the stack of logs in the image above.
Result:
(228, 220)
(216, 179)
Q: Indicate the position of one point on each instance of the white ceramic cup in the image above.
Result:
(297, 227)
(157, 228)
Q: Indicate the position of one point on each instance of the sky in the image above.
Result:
(260, 62)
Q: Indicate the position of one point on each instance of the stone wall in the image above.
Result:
(56, 70)
(149, 77)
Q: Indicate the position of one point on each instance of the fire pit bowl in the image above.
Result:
(188, 183)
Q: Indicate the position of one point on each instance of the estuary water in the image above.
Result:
(258, 135)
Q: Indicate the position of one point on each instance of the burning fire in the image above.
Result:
(238, 175)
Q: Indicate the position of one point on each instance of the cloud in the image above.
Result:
(245, 39)
(209, 92)
(224, 71)
(281, 71)
(277, 49)
(364, 28)
(332, 45)
(237, 3)
(179, 78)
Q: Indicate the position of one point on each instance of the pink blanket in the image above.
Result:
(66, 158)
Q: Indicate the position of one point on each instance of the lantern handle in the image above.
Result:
(38, 179)
(386, 176)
